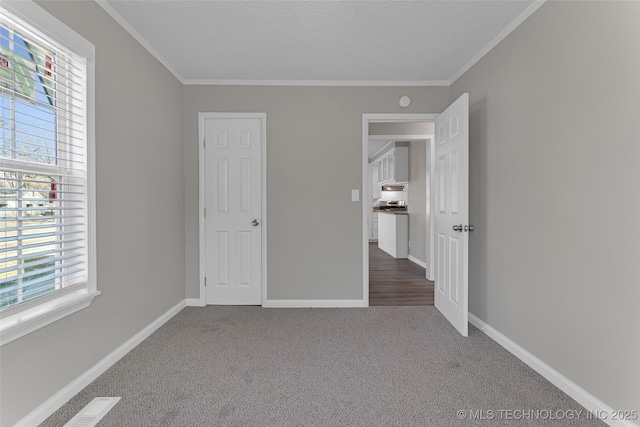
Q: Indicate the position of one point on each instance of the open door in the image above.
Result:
(452, 213)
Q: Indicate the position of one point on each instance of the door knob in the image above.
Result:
(468, 228)
(457, 227)
(255, 223)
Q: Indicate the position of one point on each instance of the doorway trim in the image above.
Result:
(366, 183)
(202, 116)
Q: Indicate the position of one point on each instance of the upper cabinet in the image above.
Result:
(375, 188)
(393, 167)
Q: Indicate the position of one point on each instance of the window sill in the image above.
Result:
(20, 324)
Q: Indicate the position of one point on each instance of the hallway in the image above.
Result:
(396, 281)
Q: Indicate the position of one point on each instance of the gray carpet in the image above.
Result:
(380, 366)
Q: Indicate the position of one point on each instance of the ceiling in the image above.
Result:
(314, 42)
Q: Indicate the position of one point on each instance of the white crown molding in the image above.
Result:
(501, 36)
(136, 35)
(215, 82)
(372, 83)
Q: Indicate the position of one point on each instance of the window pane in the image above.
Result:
(35, 137)
(5, 124)
(28, 117)
(8, 233)
(29, 236)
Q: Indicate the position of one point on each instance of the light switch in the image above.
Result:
(355, 195)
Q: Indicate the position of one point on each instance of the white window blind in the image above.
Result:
(43, 166)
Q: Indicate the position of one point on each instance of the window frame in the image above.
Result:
(29, 316)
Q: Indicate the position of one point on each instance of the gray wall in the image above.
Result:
(554, 158)
(418, 199)
(314, 156)
(554, 151)
(140, 217)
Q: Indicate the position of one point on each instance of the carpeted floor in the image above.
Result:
(379, 366)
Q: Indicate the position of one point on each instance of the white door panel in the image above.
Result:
(452, 211)
(233, 200)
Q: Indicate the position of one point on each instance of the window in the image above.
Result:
(47, 267)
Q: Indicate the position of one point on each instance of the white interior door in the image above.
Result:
(452, 213)
(233, 210)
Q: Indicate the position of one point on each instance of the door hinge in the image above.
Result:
(205, 212)
(204, 143)
(205, 281)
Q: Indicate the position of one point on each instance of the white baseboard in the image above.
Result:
(417, 261)
(56, 401)
(590, 402)
(326, 303)
(195, 302)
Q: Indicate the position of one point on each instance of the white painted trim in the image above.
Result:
(431, 201)
(366, 189)
(377, 118)
(202, 116)
(201, 220)
(577, 393)
(384, 83)
(417, 261)
(314, 303)
(393, 138)
(104, 4)
(194, 302)
(399, 117)
(92, 209)
(26, 321)
(56, 401)
(497, 39)
(264, 222)
(41, 312)
(48, 24)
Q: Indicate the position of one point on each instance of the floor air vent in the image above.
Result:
(93, 412)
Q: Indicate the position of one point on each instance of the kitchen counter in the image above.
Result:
(378, 210)
(393, 233)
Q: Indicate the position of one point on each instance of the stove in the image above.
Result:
(393, 205)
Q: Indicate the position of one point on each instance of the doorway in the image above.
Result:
(397, 281)
(394, 279)
(448, 207)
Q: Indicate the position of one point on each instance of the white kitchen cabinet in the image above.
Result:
(393, 167)
(373, 226)
(375, 187)
(393, 234)
(385, 168)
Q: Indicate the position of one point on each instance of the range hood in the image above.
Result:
(393, 188)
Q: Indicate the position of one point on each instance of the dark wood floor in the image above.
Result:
(396, 281)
